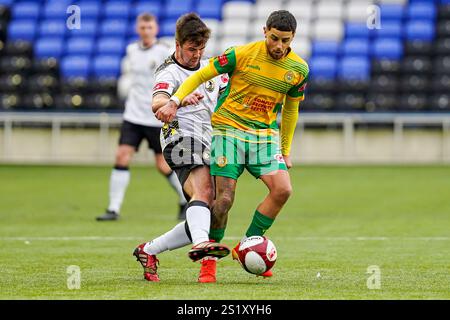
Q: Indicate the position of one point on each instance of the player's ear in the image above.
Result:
(265, 31)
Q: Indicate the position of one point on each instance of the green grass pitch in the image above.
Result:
(338, 222)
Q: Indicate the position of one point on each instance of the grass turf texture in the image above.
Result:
(47, 224)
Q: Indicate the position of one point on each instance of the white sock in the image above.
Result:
(175, 183)
(198, 218)
(117, 186)
(173, 239)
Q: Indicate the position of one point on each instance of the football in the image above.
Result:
(256, 254)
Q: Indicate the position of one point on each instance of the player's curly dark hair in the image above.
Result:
(282, 20)
(190, 27)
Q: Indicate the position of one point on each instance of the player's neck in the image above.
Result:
(147, 44)
(178, 60)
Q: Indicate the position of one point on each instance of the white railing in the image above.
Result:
(346, 120)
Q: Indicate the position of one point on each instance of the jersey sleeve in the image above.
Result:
(298, 92)
(225, 63)
(165, 83)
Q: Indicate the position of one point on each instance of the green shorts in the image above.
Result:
(229, 157)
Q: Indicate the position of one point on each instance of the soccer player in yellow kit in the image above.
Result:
(266, 77)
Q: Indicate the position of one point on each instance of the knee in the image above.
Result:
(123, 158)
(205, 194)
(281, 194)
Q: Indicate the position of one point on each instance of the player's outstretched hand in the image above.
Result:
(287, 160)
(167, 112)
(192, 99)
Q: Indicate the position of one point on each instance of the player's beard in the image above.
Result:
(190, 63)
(277, 54)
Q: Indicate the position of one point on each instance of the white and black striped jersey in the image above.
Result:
(195, 120)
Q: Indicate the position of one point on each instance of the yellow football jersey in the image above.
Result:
(257, 89)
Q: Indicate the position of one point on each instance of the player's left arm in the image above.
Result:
(289, 118)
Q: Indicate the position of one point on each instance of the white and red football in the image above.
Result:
(257, 254)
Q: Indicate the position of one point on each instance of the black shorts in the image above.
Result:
(184, 155)
(132, 134)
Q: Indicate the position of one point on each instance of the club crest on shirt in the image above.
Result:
(290, 76)
(210, 85)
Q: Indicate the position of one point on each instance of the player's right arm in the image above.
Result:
(166, 84)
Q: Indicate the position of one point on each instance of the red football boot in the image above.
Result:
(148, 262)
(208, 249)
(266, 274)
(208, 270)
(234, 252)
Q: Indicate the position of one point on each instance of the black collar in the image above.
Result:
(184, 67)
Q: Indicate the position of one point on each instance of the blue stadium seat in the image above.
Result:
(48, 47)
(55, 10)
(55, 28)
(167, 28)
(174, 8)
(75, 66)
(325, 48)
(210, 9)
(114, 27)
(356, 47)
(422, 10)
(88, 28)
(26, 10)
(131, 29)
(106, 66)
(354, 68)
(420, 30)
(117, 10)
(323, 67)
(357, 30)
(154, 8)
(22, 29)
(391, 12)
(89, 9)
(6, 3)
(390, 29)
(79, 46)
(387, 49)
(131, 40)
(111, 46)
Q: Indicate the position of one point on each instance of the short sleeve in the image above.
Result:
(165, 83)
(225, 63)
(298, 92)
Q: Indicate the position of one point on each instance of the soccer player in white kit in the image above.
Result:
(186, 145)
(139, 122)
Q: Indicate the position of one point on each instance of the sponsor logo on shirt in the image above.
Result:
(223, 60)
(224, 78)
(253, 67)
(260, 103)
(161, 86)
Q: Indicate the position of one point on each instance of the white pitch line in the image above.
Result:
(106, 238)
